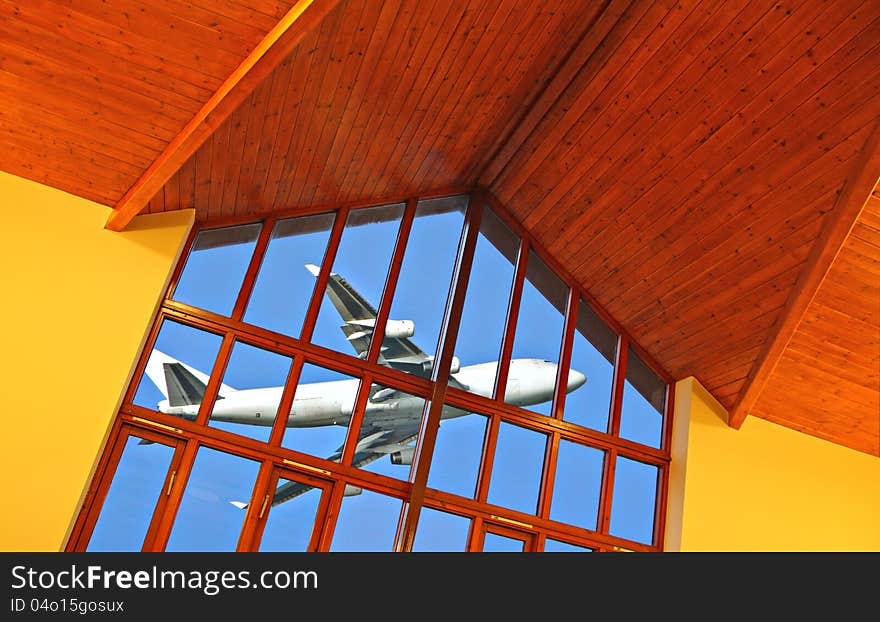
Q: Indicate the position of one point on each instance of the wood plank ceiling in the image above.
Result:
(679, 158)
(383, 98)
(91, 92)
(835, 350)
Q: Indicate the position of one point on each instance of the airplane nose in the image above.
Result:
(575, 379)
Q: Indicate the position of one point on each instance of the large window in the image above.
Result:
(307, 374)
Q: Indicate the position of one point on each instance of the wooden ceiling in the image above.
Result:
(383, 98)
(91, 92)
(697, 165)
(831, 363)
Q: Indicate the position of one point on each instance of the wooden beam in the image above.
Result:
(274, 47)
(854, 195)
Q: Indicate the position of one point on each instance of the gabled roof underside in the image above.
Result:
(683, 160)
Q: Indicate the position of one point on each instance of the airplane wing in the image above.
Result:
(378, 437)
(373, 444)
(360, 317)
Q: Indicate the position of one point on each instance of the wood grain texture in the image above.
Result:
(384, 99)
(92, 92)
(852, 198)
(268, 53)
(827, 380)
(680, 158)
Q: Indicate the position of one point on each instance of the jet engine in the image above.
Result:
(352, 491)
(399, 329)
(394, 329)
(404, 456)
(428, 365)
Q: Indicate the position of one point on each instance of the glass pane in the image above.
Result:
(577, 486)
(423, 285)
(485, 306)
(289, 524)
(632, 509)
(592, 355)
(517, 468)
(132, 497)
(536, 346)
(644, 399)
(557, 546)
(441, 531)
(216, 266)
(210, 516)
(389, 432)
(493, 543)
(359, 271)
(457, 451)
(284, 285)
(258, 377)
(322, 407)
(178, 370)
(367, 522)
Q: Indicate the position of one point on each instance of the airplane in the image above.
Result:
(391, 419)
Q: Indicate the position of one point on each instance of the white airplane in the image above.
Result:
(391, 419)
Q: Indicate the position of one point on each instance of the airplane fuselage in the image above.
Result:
(530, 381)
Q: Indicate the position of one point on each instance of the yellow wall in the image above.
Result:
(77, 302)
(764, 487)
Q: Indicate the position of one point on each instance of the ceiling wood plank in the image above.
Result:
(556, 31)
(464, 95)
(454, 51)
(400, 118)
(254, 112)
(565, 83)
(714, 166)
(325, 118)
(717, 157)
(854, 195)
(364, 80)
(712, 246)
(278, 42)
(659, 105)
(298, 99)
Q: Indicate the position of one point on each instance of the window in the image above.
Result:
(223, 252)
(281, 400)
(208, 518)
(135, 491)
(284, 286)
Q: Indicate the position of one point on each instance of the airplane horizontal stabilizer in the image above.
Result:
(239, 504)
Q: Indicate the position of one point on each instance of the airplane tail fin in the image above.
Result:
(184, 389)
(179, 383)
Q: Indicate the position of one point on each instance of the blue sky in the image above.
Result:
(206, 521)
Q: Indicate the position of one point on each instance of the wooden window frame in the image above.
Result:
(276, 460)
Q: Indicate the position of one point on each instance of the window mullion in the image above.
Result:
(440, 376)
(391, 281)
(323, 277)
(250, 276)
(161, 528)
(510, 324)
